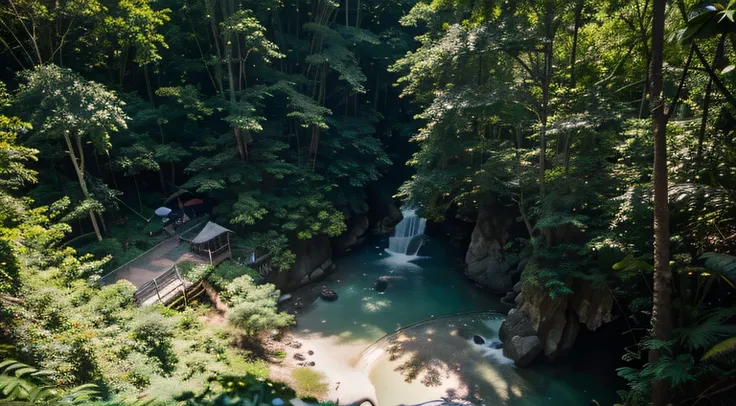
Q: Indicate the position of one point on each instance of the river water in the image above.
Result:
(432, 355)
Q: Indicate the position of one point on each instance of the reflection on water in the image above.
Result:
(436, 358)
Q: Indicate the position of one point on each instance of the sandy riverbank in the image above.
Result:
(334, 356)
(333, 359)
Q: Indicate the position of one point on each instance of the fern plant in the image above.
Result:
(21, 385)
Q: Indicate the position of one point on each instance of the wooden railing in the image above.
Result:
(174, 291)
(214, 255)
(163, 287)
(109, 277)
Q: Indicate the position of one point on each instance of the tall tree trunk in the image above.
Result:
(522, 210)
(149, 88)
(231, 88)
(545, 92)
(102, 223)
(574, 50)
(138, 192)
(357, 14)
(662, 291)
(161, 179)
(78, 164)
(212, 10)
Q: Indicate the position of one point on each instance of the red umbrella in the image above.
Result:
(193, 202)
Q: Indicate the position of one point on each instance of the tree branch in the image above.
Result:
(668, 110)
(525, 66)
(20, 43)
(31, 36)
(714, 77)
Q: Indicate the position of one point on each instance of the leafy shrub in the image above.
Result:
(188, 320)
(48, 305)
(254, 306)
(153, 332)
(140, 369)
(193, 271)
(112, 298)
(227, 271)
(309, 383)
(276, 244)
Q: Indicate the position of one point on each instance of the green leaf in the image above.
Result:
(720, 349)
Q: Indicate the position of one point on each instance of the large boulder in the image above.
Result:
(357, 228)
(557, 320)
(486, 262)
(517, 287)
(310, 255)
(517, 323)
(522, 350)
(384, 213)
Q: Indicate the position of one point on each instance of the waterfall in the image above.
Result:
(407, 235)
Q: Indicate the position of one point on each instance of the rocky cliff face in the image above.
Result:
(357, 228)
(313, 262)
(378, 219)
(556, 322)
(486, 262)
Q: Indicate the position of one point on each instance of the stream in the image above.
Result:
(414, 342)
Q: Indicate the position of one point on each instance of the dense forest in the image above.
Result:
(588, 146)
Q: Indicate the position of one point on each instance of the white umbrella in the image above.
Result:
(163, 211)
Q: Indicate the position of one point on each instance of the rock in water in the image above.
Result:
(478, 340)
(523, 350)
(508, 300)
(381, 285)
(517, 323)
(328, 294)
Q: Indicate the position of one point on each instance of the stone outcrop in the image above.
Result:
(313, 263)
(523, 350)
(386, 224)
(486, 263)
(556, 322)
(517, 323)
(384, 212)
(357, 229)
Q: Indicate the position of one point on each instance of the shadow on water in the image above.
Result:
(438, 358)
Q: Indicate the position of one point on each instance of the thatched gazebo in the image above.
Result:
(212, 243)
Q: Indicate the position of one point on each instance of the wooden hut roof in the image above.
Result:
(209, 232)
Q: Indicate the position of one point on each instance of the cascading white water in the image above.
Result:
(407, 235)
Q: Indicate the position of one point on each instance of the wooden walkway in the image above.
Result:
(156, 275)
(155, 263)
